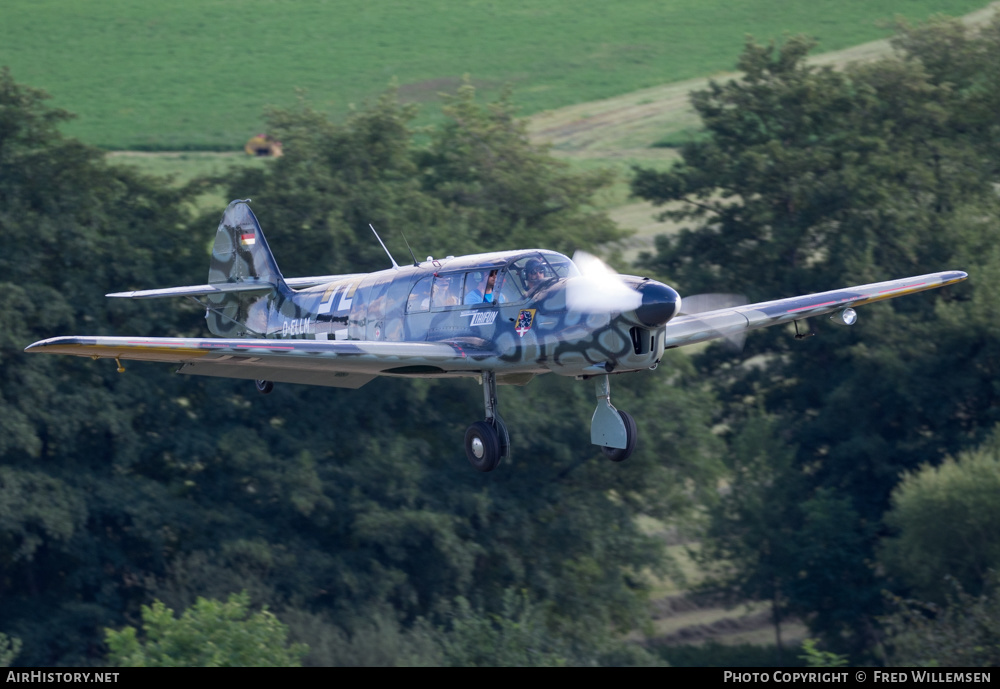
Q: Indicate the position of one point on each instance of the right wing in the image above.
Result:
(734, 321)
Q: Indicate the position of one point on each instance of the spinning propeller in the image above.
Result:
(599, 288)
(698, 304)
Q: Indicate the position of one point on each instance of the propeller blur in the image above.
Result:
(598, 288)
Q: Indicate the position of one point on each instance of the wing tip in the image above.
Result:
(46, 345)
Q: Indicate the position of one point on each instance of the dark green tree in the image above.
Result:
(516, 637)
(80, 525)
(962, 632)
(501, 190)
(968, 64)
(811, 179)
(752, 533)
(812, 176)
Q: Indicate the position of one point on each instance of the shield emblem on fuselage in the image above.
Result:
(525, 319)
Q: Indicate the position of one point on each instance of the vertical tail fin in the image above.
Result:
(241, 255)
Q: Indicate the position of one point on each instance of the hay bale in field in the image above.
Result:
(263, 146)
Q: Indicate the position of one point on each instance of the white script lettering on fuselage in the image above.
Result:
(481, 317)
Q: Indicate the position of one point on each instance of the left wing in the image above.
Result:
(342, 364)
(730, 322)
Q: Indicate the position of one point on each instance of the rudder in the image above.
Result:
(240, 252)
(241, 255)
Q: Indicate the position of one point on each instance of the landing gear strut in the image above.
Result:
(615, 431)
(487, 442)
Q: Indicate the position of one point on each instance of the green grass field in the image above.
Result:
(196, 74)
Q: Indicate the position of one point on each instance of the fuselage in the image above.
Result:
(485, 303)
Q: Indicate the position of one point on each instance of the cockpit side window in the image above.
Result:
(475, 287)
(482, 287)
(447, 290)
(529, 272)
(509, 290)
(420, 296)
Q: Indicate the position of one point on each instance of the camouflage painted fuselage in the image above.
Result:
(532, 335)
(527, 331)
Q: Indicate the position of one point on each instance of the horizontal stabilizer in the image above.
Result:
(228, 287)
(196, 290)
(302, 283)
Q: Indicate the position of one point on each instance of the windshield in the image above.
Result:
(528, 273)
(561, 266)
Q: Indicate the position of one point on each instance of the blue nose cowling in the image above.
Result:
(659, 303)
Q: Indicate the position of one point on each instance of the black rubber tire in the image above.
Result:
(619, 454)
(264, 387)
(482, 446)
(503, 437)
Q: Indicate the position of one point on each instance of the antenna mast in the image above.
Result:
(394, 264)
(415, 261)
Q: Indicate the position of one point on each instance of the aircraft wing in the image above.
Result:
(735, 321)
(344, 364)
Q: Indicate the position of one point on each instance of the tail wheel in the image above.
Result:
(482, 446)
(264, 387)
(618, 454)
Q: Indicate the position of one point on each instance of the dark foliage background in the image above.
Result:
(351, 514)
(809, 178)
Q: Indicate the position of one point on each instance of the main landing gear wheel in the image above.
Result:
(482, 446)
(616, 454)
(264, 387)
(487, 442)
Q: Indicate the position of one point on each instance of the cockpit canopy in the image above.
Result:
(510, 282)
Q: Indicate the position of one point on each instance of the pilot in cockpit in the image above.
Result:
(534, 274)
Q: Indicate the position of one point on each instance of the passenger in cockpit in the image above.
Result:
(491, 280)
(447, 290)
(475, 286)
(484, 291)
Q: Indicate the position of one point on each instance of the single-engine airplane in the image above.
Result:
(502, 317)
